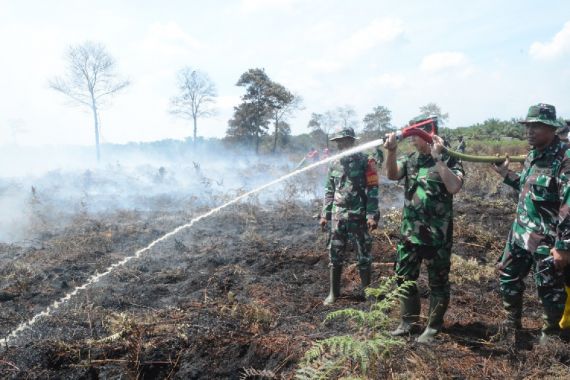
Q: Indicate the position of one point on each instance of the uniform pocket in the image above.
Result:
(542, 191)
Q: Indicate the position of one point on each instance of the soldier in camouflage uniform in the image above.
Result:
(542, 224)
(563, 132)
(351, 206)
(430, 180)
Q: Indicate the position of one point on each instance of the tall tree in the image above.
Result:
(346, 116)
(378, 122)
(432, 109)
(256, 102)
(243, 126)
(282, 103)
(90, 79)
(323, 122)
(196, 96)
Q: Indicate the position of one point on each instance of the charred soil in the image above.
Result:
(239, 295)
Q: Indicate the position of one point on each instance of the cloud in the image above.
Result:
(169, 39)
(559, 45)
(375, 33)
(393, 81)
(344, 51)
(250, 6)
(442, 61)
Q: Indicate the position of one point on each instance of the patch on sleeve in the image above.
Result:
(371, 174)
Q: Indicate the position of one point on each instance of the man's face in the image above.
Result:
(344, 143)
(539, 135)
(420, 144)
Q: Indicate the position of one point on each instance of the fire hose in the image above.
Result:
(414, 130)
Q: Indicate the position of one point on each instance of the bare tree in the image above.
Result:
(90, 78)
(196, 96)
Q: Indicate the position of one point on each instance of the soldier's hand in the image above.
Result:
(372, 224)
(323, 222)
(502, 169)
(391, 143)
(436, 147)
(561, 258)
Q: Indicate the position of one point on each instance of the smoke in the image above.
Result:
(42, 188)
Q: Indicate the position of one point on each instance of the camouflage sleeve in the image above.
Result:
(456, 167)
(563, 229)
(329, 196)
(372, 191)
(513, 180)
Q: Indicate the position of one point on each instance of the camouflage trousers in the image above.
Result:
(438, 261)
(515, 264)
(341, 231)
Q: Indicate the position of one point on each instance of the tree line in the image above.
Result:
(263, 114)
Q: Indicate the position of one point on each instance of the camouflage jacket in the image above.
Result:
(427, 218)
(543, 210)
(351, 189)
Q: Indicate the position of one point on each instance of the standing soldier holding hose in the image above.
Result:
(542, 224)
(431, 178)
(351, 206)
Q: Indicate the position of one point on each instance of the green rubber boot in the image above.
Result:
(550, 328)
(334, 292)
(409, 313)
(508, 328)
(437, 309)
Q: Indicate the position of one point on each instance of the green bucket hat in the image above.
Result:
(342, 133)
(542, 113)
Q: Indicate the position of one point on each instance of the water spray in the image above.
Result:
(98, 276)
(412, 130)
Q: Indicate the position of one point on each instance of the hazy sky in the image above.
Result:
(476, 59)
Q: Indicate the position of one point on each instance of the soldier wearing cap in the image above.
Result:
(430, 180)
(351, 207)
(563, 132)
(542, 224)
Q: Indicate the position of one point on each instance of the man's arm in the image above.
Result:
(393, 172)
(372, 214)
(509, 177)
(453, 180)
(561, 251)
(326, 214)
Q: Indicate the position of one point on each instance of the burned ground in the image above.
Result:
(239, 295)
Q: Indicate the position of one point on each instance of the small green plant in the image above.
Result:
(360, 353)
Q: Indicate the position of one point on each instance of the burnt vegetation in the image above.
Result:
(239, 295)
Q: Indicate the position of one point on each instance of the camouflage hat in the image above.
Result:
(564, 129)
(542, 113)
(423, 121)
(344, 132)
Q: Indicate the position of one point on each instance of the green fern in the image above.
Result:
(356, 354)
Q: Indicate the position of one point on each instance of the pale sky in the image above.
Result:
(476, 60)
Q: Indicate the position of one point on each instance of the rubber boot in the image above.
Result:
(437, 309)
(409, 314)
(551, 327)
(334, 292)
(509, 326)
(365, 277)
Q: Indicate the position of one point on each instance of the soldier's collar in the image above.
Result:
(549, 151)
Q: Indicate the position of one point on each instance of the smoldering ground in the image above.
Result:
(242, 289)
(41, 189)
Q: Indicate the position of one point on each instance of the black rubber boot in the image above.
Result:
(334, 275)
(437, 309)
(365, 278)
(410, 307)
